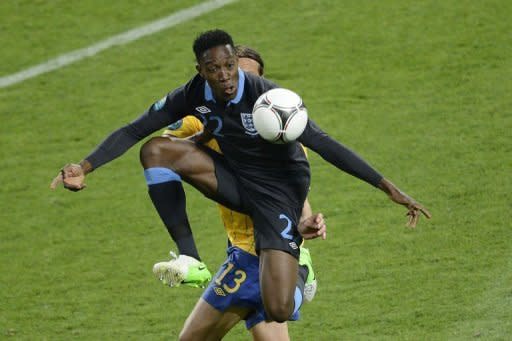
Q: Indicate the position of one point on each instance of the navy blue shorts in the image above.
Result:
(275, 217)
(237, 284)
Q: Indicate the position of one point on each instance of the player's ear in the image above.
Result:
(198, 68)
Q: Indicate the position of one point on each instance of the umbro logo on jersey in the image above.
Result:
(293, 245)
(203, 110)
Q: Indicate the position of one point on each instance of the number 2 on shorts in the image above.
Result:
(286, 232)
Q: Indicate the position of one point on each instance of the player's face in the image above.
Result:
(249, 65)
(219, 66)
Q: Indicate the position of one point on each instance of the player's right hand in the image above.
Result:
(313, 227)
(71, 176)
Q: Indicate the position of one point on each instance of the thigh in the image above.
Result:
(264, 331)
(207, 323)
(278, 281)
(183, 157)
(201, 167)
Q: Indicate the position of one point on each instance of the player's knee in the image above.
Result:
(279, 311)
(150, 151)
(153, 151)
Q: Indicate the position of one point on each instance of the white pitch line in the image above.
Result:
(120, 39)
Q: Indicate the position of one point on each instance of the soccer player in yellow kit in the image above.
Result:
(245, 302)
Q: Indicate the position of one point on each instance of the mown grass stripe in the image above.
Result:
(120, 39)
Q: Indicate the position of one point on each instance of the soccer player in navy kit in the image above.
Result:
(267, 181)
(234, 293)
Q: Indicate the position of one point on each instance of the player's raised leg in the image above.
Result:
(166, 163)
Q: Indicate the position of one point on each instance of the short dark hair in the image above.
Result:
(247, 52)
(207, 40)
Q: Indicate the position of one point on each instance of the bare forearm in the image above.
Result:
(387, 187)
(306, 210)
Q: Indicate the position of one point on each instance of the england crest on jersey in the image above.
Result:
(248, 124)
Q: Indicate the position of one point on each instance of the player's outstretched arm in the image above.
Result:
(114, 145)
(313, 227)
(72, 176)
(414, 209)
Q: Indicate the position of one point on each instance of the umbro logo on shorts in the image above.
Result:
(203, 110)
(219, 291)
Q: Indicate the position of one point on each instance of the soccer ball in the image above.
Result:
(279, 116)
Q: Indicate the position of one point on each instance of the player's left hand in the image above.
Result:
(313, 227)
(414, 208)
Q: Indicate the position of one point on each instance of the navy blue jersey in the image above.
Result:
(253, 159)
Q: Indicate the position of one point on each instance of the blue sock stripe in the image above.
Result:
(158, 175)
(298, 299)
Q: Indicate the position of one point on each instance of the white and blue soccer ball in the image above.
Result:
(279, 116)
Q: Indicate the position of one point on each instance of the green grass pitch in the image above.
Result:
(421, 89)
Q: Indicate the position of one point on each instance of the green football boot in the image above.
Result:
(182, 270)
(311, 284)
